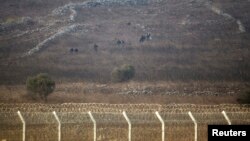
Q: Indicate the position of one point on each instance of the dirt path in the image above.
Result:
(218, 11)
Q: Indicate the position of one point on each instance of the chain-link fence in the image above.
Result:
(104, 122)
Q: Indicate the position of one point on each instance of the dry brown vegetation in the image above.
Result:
(133, 92)
(194, 56)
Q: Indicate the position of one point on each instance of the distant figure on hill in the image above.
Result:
(143, 38)
(148, 35)
(120, 42)
(72, 50)
(95, 47)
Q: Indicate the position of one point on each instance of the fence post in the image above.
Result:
(94, 122)
(226, 117)
(162, 125)
(195, 126)
(24, 124)
(59, 126)
(129, 125)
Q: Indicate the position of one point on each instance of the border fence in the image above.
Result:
(115, 122)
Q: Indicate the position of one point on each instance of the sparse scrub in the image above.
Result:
(177, 52)
(245, 98)
(124, 73)
(40, 85)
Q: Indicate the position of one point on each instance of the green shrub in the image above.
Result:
(40, 85)
(123, 73)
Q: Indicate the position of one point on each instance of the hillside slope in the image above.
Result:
(184, 40)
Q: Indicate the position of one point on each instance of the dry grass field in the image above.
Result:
(188, 55)
(132, 92)
(197, 51)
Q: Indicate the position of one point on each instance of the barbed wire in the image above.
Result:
(111, 122)
(118, 108)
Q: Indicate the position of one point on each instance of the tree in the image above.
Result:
(123, 73)
(40, 85)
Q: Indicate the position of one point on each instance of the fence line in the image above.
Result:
(162, 125)
(226, 117)
(24, 124)
(94, 124)
(59, 126)
(26, 118)
(129, 125)
(100, 107)
(195, 126)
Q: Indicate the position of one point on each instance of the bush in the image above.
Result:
(244, 98)
(123, 73)
(247, 100)
(40, 85)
